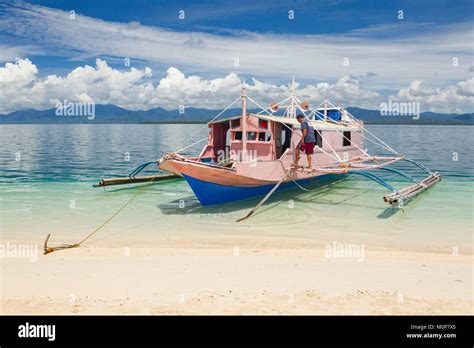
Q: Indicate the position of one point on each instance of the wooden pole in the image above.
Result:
(263, 200)
(244, 123)
(135, 180)
(325, 109)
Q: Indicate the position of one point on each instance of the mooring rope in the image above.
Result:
(48, 250)
(303, 188)
(317, 188)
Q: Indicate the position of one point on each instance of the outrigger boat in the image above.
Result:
(247, 155)
(252, 154)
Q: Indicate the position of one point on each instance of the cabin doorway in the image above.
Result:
(278, 140)
(286, 135)
(282, 138)
(220, 141)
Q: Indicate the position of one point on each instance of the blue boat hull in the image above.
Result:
(209, 193)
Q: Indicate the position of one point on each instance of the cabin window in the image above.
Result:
(319, 138)
(264, 136)
(346, 140)
(262, 123)
(238, 136)
(251, 135)
(235, 123)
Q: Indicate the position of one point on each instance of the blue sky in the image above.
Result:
(384, 53)
(311, 17)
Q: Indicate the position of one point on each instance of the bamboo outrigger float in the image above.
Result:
(135, 180)
(413, 190)
(252, 154)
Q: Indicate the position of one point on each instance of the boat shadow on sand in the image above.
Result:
(190, 205)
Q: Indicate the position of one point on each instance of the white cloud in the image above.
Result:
(425, 53)
(346, 91)
(22, 88)
(18, 74)
(9, 53)
(454, 98)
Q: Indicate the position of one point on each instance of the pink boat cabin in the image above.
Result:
(264, 138)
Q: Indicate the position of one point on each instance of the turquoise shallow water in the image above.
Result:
(47, 172)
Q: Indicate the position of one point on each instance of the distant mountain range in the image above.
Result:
(110, 114)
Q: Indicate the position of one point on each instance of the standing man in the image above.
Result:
(307, 142)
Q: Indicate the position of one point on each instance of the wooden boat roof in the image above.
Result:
(317, 124)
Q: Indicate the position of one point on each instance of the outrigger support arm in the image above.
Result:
(419, 165)
(405, 175)
(375, 178)
(134, 179)
(405, 193)
(139, 169)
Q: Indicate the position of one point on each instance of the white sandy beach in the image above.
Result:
(342, 114)
(260, 279)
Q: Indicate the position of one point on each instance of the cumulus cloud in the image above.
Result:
(18, 74)
(22, 88)
(454, 98)
(346, 91)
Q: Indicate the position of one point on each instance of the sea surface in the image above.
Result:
(47, 172)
